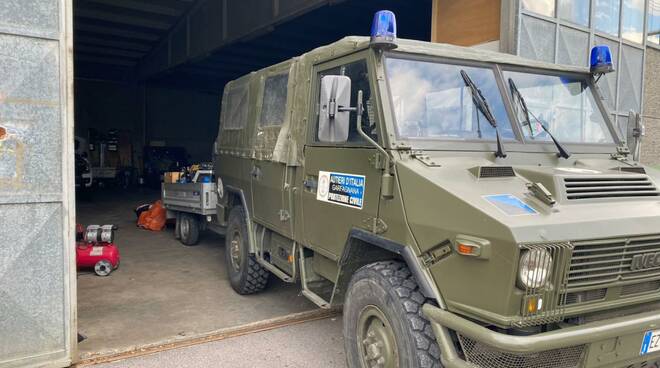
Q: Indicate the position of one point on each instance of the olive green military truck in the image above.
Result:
(467, 208)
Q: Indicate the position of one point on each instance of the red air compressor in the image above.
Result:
(95, 248)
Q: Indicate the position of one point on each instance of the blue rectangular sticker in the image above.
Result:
(510, 205)
(646, 342)
(343, 189)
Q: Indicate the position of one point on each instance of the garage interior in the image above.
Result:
(149, 75)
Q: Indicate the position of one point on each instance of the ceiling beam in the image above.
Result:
(241, 22)
(124, 45)
(207, 72)
(257, 59)
(230, 68)
(103, 60)
(108, 51)
(130, 20)
(113, 31)
(138, 6)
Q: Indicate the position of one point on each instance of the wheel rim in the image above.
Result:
(235, 251)
(376, 342)
(103, 268)
(185, 228)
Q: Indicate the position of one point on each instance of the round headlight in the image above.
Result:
(535, 267)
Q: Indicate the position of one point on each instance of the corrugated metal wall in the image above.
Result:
(37, 279)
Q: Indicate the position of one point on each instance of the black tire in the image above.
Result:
(246, 275)
(384, 296)
(189, 229)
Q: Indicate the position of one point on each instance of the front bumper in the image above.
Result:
(609, 343)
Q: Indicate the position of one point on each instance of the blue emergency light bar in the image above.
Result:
(601, 60)
(383, 30)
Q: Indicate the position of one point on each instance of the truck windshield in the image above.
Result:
(432, 101)
(564, 104)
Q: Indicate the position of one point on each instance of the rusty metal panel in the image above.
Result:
(37, 273)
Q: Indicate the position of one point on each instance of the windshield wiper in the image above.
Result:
(481, 104)
(563, 152)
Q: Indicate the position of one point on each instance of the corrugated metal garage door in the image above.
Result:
(37, 273)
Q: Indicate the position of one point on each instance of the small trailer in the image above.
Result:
(194, 207)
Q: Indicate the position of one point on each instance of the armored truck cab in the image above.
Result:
(467, 208)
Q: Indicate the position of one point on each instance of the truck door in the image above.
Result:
(269, 200)
(341, 188)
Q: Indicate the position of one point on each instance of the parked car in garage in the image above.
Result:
(467, 208)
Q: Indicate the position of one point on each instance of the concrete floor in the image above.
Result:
(313, 344)
(163, 290)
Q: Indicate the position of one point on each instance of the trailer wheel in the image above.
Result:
(189, 229)
(103, 267)
(246, 275)
(383, 321)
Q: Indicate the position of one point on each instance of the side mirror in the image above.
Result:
(334, 108)
(636, 131)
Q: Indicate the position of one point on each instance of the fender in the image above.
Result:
(248, 219)
(356, 255)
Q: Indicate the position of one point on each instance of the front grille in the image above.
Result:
(640, 288)
(486, 356)
(607, 261)
(585, 296)
(609, 187)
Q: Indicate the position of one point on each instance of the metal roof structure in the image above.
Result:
(202, 44)
(114, 35)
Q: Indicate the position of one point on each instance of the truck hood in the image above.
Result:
(595, 198)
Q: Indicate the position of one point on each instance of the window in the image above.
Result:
(273, 108)
(430, 101)
(654, 22)
(359, 74)
(237, 108)
(632, 20)
(543, 7)
(576, 11)
(606, 16)
(563, 104)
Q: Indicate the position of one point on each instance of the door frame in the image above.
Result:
(69, 197)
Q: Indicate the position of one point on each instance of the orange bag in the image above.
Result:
(154, 218)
